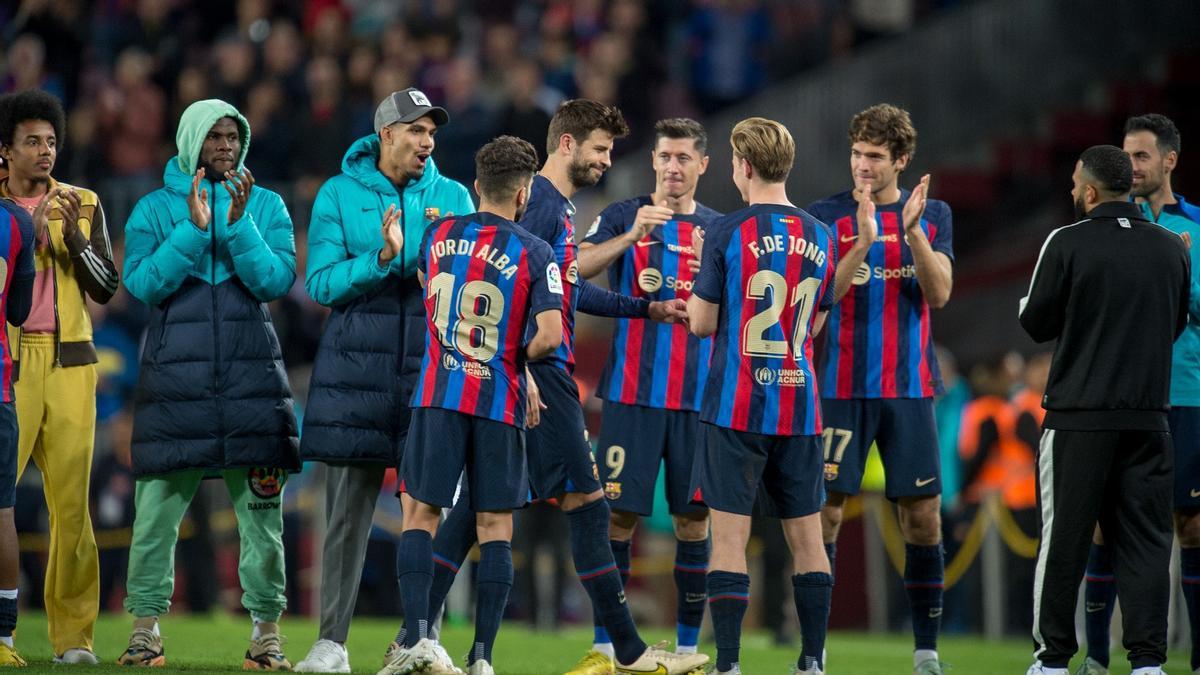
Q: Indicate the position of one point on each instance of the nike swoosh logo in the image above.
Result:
(647, 242)
(660, 670)
(847, 240)
(922, 482)
(1093, 607)
(1194, 493)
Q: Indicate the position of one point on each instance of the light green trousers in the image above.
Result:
(160, 503)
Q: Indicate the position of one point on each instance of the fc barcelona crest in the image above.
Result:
(612, 490)
(831, 471)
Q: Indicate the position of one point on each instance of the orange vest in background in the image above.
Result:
(1029, 401)
(1009, 469)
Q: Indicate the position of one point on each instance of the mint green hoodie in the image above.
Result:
(163, 247)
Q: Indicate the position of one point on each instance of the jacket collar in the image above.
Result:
(361, 163)
(1117, 210)
(1180, 207)
(4, 186)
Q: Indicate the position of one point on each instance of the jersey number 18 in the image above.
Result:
(479, 308)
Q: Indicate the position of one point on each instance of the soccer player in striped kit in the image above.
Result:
(493, 301)
(655, 372)
(766, 281)
(879, 373)
(561, 466)
(16, 298)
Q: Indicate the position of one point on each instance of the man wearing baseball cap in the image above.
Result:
(366, 227)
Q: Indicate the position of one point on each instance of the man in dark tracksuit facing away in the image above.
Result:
(1113, 290)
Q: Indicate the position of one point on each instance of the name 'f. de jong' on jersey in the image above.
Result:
(486, 279)
(878, 343)
(770, 268)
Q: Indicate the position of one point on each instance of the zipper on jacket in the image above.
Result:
(403, 239)
(212, 289)
(400, 337)
(54, 287)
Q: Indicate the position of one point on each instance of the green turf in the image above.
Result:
(216, 643)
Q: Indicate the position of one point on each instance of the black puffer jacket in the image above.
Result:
(212, 392)
(365, 372)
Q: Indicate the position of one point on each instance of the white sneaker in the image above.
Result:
(658, 660)
(326, 656)
(1038, 669)
(1091, 666)
(810, 671)
(77, 656)
(443, 664)
(402, 661)
(480, 667)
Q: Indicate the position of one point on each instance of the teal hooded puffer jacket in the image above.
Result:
(370, 353)
(212, 391)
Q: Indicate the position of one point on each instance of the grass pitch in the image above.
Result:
(216, 643)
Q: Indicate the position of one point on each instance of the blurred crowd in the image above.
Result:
(308, 76)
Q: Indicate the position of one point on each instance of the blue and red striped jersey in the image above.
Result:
(485, 281)
(770, 268)
(878, 343)
(16, 260)
(548, 217)
(658, 365)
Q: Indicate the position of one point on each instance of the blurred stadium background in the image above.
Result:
(1004, 94)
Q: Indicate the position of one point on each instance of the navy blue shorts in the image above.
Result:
(734, 466)
(903, 428)
(1185, 435)
(442, 443)
(9, 446)
(634, 441)
(560, 459)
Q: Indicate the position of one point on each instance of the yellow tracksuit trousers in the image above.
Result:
(56, 413)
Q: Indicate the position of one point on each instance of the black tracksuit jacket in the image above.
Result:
(1113, 290)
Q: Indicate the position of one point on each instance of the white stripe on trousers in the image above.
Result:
(1046, 490)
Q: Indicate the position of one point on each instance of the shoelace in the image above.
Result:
(661, 651)
(394, 654)
(271, 643)
(143, 639)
